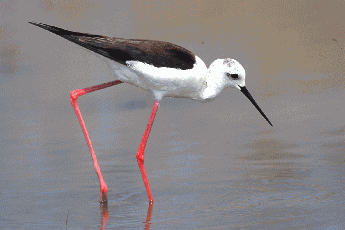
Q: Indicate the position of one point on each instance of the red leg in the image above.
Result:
(140, 153)
(73, 97)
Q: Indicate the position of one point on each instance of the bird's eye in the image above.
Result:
(233, 76)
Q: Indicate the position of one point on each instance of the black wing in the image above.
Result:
(156, 53)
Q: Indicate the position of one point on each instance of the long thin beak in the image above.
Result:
(247, 94)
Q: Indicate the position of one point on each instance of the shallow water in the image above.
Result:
(210, 166)
(216, 165)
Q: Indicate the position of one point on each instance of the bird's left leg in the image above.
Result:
(73, 97)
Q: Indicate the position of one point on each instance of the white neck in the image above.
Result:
(213, 85)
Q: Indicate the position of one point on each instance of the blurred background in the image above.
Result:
(215, 165)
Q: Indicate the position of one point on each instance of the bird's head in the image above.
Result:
(230, 73)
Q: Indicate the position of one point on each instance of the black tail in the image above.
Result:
(80, 39)
(61, 32)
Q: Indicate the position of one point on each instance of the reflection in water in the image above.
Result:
(148, 218)
(105, 215)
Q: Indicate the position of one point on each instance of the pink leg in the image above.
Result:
(73, 97)
(140, 153)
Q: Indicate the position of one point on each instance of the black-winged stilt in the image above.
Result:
(165, 69)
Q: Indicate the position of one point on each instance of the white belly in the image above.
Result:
(162, 82)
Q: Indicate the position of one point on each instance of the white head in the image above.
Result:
(224, 73)
(227, 73)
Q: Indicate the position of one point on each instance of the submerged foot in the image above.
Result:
(104, 197)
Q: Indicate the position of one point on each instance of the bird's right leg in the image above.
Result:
(73, 97)
(141, 150)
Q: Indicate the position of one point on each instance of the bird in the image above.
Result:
(163, 68)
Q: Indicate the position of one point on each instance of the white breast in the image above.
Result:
(163, 81)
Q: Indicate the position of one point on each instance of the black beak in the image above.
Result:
(247, 94)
